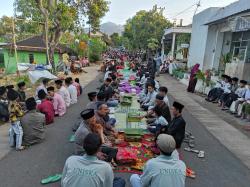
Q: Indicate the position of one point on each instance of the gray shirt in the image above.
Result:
(84, 171)
(164, 171)
(81, 133)
(33, 124)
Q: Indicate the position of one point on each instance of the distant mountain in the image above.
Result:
(109, 28)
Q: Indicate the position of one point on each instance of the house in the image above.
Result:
(31, 50)
(222, 32)
(171, 42)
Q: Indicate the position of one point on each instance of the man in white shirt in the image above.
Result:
(164, 170)
(87, 170)
(239, 93)
(72, 90)
(150, 98)
(63, 92)
(42, 86)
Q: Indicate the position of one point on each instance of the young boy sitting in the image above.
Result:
(159, 121)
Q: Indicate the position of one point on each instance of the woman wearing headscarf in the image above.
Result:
(193, 79)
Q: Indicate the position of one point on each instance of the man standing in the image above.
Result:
(63, 92)
(58, 102)
(176, 128)
(87, 170)
(65, 58)
(33, 123)
(164, 170)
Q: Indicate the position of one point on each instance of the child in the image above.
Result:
(15, 114)
(80, 87)
(159, 122)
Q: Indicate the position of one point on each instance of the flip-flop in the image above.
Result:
(188, 149)
(191, 144)
(190, 174)
(72, 138)
(51, 179)
(201, 154)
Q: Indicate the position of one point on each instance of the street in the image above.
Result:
(26, 169)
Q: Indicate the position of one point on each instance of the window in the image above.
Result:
(31, 58)
(246, 35)
(1, 60)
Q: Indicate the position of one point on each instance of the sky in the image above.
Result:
(121, 10)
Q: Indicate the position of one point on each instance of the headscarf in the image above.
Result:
(195, 69)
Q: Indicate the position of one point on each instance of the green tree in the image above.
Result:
(61, 16)
(145, 25)
(116, 40)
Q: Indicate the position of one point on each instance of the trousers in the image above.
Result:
(135, 180)
(16, 134)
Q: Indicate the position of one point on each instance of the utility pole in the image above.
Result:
(197, 6)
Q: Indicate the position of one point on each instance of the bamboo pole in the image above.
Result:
(14, 43)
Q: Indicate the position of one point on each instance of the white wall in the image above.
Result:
(199, 37)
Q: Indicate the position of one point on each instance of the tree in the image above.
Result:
(61, 16)
(145, 25)
(116, 40)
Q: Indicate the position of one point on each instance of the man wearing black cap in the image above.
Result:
(176, 128)
(89, 120)
(93, 98)
(84, 129)
(4, 112)
(33, 124)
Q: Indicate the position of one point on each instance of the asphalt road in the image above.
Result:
(219, 168)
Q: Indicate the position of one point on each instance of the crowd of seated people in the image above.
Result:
(28, 116)
(98, 129)
(232, 95)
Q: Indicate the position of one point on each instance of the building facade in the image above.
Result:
(220, 39)
(31, 50)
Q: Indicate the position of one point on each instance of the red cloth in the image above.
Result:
(126, 155)
(47, 108)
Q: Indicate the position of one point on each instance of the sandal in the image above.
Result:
(190, 173)
(51, 179)
(201, 154)
(72, 138)
(20, 148)
(188, 149)
(191, 144)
